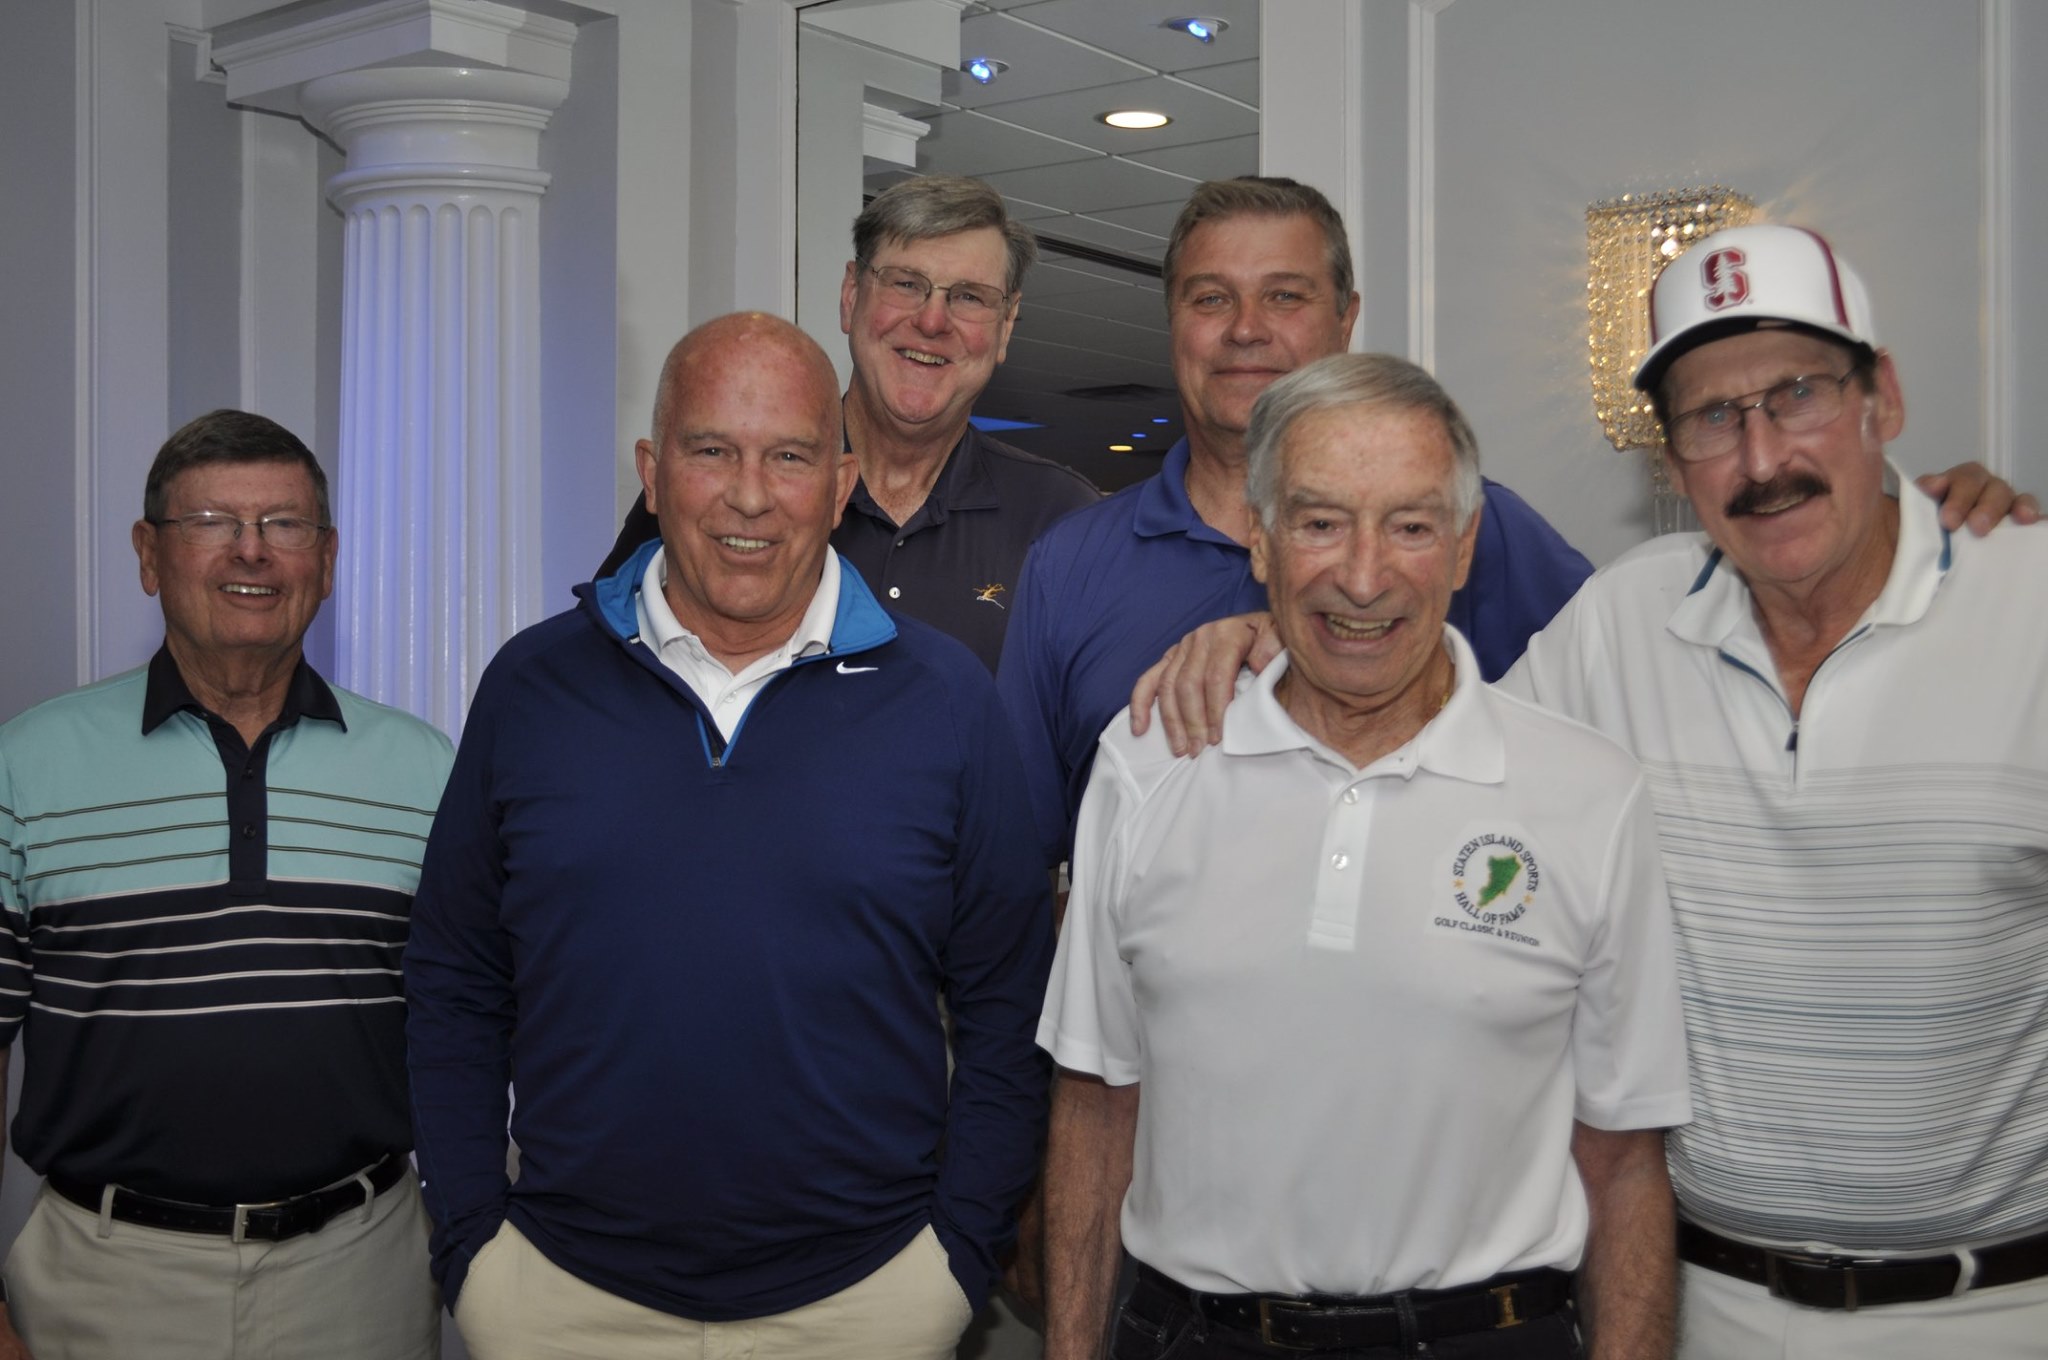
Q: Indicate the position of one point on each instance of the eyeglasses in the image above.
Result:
(211, 529)
(969, 302)
(1794, 406)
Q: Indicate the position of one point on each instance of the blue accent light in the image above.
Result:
(996, 425)
(1161, 420)
(1199, 31)
(980, 69)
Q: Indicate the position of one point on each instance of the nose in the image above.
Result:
(932, 317)
(1762, 447)
(746, 489)
(249, 544)
(1249, 324)
(1361, 571)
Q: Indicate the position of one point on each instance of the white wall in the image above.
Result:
(38, 635)
(1864, 120)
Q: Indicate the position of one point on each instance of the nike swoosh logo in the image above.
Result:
(845, 669)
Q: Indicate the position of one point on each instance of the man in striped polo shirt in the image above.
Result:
(1842, 710)
(206, 871)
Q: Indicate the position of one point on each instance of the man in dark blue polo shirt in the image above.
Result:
(942, 515)
(1258, 283)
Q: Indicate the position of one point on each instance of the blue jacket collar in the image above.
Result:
(861, 622)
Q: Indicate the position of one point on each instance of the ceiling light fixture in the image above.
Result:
(984, 69)
(1200, 29)
(1136, 120)
(1121, 448)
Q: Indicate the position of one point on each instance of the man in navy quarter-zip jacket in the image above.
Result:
(715, 842)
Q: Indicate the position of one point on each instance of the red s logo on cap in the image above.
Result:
(1721, 275)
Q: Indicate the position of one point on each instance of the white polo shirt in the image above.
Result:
(726, 693)
(1861, 897)
(1365, 1006)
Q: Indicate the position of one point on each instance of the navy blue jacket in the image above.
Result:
(710, 968)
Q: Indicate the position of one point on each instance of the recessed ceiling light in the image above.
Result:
(1134, 119)
(1200, 29)
(1121, 448)
(984, 69)
(1161, 420)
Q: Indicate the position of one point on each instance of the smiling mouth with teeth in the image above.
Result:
(1345, 628)
(918, 356)
(745, 544)
(241, 588)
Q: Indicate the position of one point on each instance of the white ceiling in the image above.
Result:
(1035, 135)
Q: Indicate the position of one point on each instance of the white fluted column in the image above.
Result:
(439, 459)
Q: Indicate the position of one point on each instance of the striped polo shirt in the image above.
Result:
(1861, 894)
(202, 940)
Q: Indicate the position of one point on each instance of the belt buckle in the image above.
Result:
(241, 1228)
(1505, 1294)
(1842, 1266)
(1266, 1307)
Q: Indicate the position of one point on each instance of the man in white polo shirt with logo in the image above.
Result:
(1366, 1018)
(1842, 709)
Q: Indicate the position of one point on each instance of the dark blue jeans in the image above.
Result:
(1154, 1326)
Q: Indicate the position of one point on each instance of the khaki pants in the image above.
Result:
(518, 1305)
(355, 1290)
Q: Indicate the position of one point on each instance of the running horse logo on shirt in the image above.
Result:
(1724, 278)
(987, 595)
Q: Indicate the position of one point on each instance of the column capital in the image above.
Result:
(450, 128)
(270, 53)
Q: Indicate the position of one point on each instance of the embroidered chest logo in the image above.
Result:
(987, 595)
(1495, 882)
(1724, 278)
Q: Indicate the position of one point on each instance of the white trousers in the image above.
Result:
(516, 1304)
(1722, 1318)
(358, 1289)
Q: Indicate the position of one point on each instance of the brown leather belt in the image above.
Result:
(1850, 1282)
(272, 1222)
(1319, 1322)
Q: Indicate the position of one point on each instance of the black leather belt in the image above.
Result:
(272, 1222)
(1322, 1322)
(1849, 1282)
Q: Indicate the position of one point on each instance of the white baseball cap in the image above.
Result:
(1747, 277)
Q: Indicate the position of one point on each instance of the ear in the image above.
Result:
(645, 456)
(849, 289)
(329, 550)
(847, 473)
(1467, 542)
(144, 536)
(1350, 321)
(1891, 399)
(1009, 324)
(1258, 544)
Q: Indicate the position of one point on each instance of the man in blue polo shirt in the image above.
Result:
(1258, 283)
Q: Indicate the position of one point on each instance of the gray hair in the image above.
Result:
(1263, 196)
(931, 206)
(228, 436)
(1381, 380)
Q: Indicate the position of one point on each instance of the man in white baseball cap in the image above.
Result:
(1842, 708)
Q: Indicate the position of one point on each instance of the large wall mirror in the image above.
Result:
(883, 95)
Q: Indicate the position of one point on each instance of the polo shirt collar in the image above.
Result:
(1463, 741)
(660, 628)
(165, 693)
(1164, 508)
(964, 483)
(1717, 608)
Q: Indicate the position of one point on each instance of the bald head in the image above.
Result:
(741, 335)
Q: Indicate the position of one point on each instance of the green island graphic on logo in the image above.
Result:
(1501, 873)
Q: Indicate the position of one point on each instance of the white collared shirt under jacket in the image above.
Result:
(726, 694)
(1861, 894)
(1365, 1006)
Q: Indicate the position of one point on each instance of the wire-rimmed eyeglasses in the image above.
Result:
(212, 529)
(1794, 406)
(969, 302)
